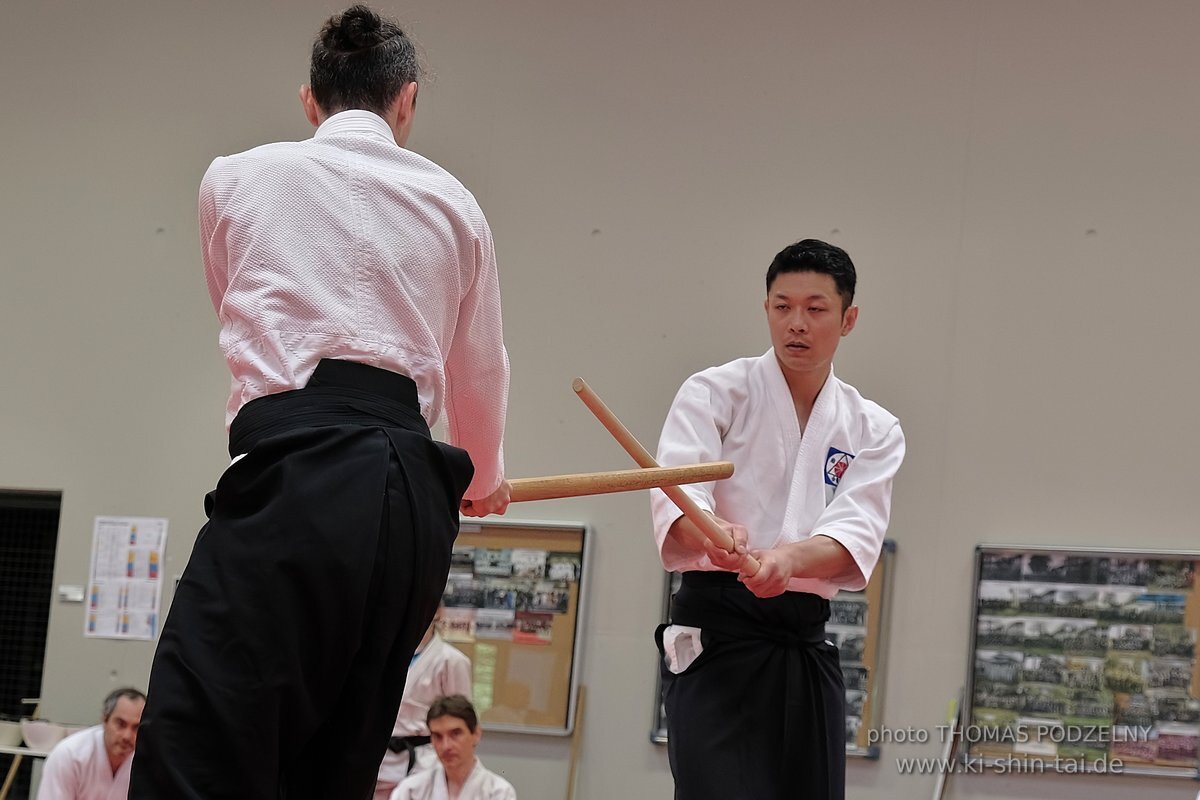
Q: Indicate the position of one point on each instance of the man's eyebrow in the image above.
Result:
(812, 296)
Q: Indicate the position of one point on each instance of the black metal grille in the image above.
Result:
(28, 539)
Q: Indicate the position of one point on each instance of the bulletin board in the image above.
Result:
(514, 605)
(857, 626)
(1084, 661)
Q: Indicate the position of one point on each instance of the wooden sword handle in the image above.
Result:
(617, 480)
(698, 516)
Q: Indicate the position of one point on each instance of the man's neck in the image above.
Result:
(804, 389)
(456, 779)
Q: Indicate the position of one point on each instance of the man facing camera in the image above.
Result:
(455, 731)
(94, 763)
(753, 690)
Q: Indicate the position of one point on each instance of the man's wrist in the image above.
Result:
(795, 559)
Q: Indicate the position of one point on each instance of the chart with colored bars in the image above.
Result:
(125, 582)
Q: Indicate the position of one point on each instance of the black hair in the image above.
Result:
(453, 705)
(361, 60)
(813, 255)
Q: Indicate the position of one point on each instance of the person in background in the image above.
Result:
(438, 669)
(458, 775)
(93, 764)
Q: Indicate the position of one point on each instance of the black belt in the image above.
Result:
(717, 602)
(409, 744)
(338, 393)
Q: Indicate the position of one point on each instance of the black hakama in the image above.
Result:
(282, 662)
(760, 713)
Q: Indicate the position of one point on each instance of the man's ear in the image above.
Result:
(849, 319)
(312, 111)
(406, 105)
(399, 115)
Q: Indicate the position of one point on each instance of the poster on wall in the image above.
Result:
(1084, 661)
(124, 594)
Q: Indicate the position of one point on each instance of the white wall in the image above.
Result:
(1017, 183)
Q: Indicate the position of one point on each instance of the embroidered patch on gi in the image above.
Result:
(836, 463)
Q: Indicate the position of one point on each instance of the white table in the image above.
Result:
(23, 751)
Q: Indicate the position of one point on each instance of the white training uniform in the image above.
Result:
(439, 670)
(481, 784)
(78, 769)
(836, 478)
(394, 267)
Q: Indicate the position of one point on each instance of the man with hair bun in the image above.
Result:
(356, 289)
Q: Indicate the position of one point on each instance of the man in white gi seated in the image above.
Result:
(94, 763)
(438, 669)
(458, 775)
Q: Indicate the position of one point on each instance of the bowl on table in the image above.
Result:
(40, 734)
(10, 733)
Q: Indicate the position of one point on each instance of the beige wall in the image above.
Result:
(1017, 183)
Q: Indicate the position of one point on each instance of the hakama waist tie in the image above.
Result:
(338, 393)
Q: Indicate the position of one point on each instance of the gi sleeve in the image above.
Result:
(477, 373)
(60, 777)
(212, 245)
(692, 433)
(858, 515)
(408, 789)
(457, 677)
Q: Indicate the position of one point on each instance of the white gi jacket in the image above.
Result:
(78, 769)
(481, 784)
(441, 669)
(835, 480)
(347, 246)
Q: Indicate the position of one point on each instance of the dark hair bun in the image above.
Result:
(356, 28)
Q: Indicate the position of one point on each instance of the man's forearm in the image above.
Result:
(685, 534)
(820, 557)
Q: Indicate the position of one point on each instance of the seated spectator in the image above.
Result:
(458, 775)
(94, 763)
(437, 670)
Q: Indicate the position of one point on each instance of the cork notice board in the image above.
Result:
(513, 604)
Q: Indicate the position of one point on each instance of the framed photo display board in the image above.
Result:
(514, 605)
(858, 626)
(1084, 661)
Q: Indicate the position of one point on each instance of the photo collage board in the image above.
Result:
(1086, 660)
(512, 605)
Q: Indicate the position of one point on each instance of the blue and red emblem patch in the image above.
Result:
(836, 463)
